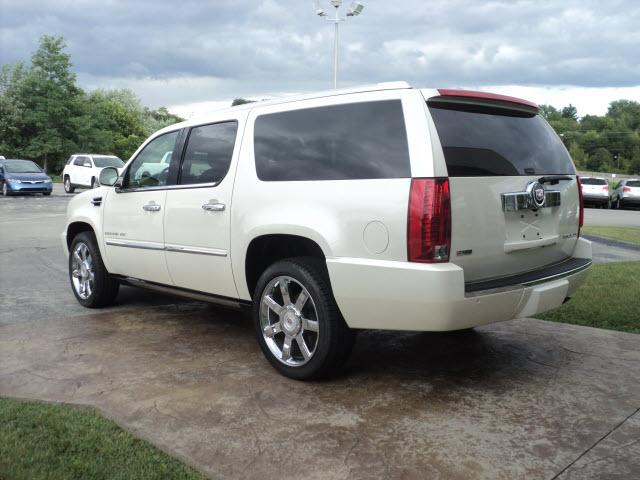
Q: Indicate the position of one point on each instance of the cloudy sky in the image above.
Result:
(195, 55)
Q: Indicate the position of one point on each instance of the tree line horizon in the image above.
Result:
(45, 116)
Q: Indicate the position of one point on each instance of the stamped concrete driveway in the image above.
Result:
(521, 399)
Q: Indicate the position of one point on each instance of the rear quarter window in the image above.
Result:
(489, 141)
(365, 140)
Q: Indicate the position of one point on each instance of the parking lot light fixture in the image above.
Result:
(355, 9)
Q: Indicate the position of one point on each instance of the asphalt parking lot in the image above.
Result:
(520, 399)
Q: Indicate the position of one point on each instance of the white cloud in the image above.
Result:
(583, 52)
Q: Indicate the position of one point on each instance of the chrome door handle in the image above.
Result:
(151, 207)
(214, 207)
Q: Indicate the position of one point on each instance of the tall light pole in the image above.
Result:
(354, 10)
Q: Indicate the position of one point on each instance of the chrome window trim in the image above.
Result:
(167, 187)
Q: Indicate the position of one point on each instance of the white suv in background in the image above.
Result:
(595, 191)
(382, 207)
(83, 169)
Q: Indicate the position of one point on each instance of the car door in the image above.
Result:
(133, 216)
(78, 171)
(198, 210)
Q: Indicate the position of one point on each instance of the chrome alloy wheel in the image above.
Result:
(82, 271)
(290, 328)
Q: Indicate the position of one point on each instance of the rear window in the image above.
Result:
(485, 141)
(593, 181)
(352, 141)
(634, 183)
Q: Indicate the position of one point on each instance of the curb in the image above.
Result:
(611, 243)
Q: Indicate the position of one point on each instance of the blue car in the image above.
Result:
(23, 176)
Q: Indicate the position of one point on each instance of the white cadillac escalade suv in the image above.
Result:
(382, 207)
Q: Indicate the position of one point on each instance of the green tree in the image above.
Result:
(10, 110)
(570, 112)
(48, 94)
(240, 101)
(634, 164)
(578, 155)
(626, 113)
(600, 160)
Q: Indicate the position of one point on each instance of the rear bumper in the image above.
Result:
(630, 201)
(420, 297)
(596, 198)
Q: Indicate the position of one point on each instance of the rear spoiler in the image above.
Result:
(468, 96)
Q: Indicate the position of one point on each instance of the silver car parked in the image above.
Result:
(626, 193)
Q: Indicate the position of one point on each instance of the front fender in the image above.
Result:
(81, 210)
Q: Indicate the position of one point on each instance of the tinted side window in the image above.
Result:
(208, 153)
(353, 141)
(79, 161)
(484, 141)
(147, 170)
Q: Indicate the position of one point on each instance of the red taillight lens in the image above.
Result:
(429, 220)
(626, 189)
(606, 187)
(581, 199)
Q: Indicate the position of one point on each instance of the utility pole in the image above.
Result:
(354, 10)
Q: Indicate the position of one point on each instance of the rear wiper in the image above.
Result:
(554, 179)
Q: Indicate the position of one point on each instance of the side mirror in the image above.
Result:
(108, 176)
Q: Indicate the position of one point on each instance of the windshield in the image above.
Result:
(21, 166)
(593, 181)
(102, 162)
(480, 141)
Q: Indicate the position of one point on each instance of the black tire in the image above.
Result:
(93, 182)
(335, 339)
(46, 194)
(3, 189)
(105, 287)
(67, 185)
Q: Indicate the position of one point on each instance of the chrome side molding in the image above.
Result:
(216, 252)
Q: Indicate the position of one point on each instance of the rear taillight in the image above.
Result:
(581, 200)
(429, 220)
(606, 187)
(626, 189)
